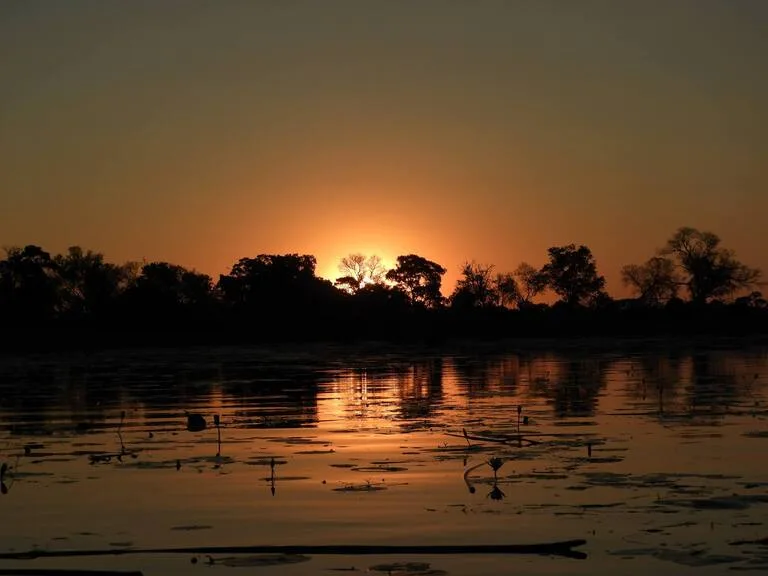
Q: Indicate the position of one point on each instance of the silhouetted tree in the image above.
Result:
(167, 298)
(169, 284)
(531, 283)
(710, 271)
(655, 281)
(572, 273)
(29, 285)
(475, 288)
(373, 296)
(419, 278)
(359, 270)
(280, 296)
(753, 300)
(506, 289)
(269, 279)
(89, 284)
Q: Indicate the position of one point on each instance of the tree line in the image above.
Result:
(691, 284)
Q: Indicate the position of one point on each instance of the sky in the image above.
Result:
(200, 132)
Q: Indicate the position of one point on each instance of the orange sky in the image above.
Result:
(202, 132)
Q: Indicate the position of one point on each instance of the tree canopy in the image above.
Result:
(709, 270)
(419, 278)
(572, 274)
(358, 270)
(475, 288)
(655, 282)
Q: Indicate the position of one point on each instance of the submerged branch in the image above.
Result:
(499, 440)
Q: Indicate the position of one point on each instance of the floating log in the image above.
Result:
(63, 572)
(562, 548)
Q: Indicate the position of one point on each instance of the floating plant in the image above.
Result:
(195, 422)
(495, 463)
(496, 493)
(272, 476)
(3, 472)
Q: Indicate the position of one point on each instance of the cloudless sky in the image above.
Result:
(199, 132)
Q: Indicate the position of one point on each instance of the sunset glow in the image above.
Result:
(475, 135)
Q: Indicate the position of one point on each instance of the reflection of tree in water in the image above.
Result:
(715, 380)
(573, 385)
(655, 380)
(700, 381)
(88, 392)
(272, 396)
(420, 390)
(487, 376)
(28, 395)
(34, 394)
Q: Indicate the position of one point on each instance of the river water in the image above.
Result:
(655, 456)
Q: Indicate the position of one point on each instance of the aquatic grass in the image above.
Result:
(272, 478)
(217, 423)
(107, 457)
(119, 428)
(3, 472)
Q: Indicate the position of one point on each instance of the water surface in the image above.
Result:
(656, 458)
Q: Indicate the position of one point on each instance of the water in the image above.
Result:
(656, 458)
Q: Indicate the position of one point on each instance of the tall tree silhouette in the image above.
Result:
(168, 296)
(475, 288)
(173, 284)
(29, 286)
(572, 273)
(710, 271)
(89, 284)
(531, 283)
(269, 280)
(419, 278)
(655, 282)
(506, 289)
(279, 295)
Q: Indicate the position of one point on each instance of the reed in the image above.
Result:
(217, 423)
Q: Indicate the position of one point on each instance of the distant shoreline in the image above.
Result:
(337, 350)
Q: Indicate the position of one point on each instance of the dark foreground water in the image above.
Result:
(656, 458)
